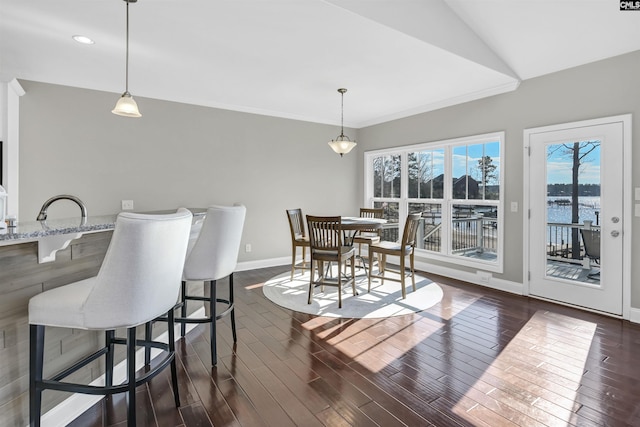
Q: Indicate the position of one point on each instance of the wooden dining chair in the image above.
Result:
(325, 237)
(369, 236)
(402, 249)
(299, 239)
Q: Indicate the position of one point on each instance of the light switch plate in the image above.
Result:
(127, 205)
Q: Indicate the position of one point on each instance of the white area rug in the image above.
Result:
(383, 300)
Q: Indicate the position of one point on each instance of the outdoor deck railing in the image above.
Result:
(561, 238)
(475, 234)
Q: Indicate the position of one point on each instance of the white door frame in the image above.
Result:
(627, 201)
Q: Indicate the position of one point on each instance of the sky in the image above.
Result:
(466, 157)
(559, 166)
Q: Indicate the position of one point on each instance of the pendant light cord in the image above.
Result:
(342, 113)
(126, 81)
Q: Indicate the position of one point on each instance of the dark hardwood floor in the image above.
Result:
(478, 358)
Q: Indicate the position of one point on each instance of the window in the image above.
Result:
(457, 187)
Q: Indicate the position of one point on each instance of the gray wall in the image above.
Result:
(601, 89)
(179, 155)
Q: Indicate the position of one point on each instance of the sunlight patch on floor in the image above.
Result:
(254, 286)
(367, 341)
(537, 373)
(451, 305)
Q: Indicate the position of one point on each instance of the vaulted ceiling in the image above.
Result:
(287, 58)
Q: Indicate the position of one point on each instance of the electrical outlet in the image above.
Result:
(127, 205)
(247, 247)
(484, 276)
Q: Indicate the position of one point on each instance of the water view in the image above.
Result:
(559, 209)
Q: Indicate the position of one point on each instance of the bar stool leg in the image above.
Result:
(172, 350)
(108, 369)
(147, 348)
(36, 356)
(183, 308)
(131, 377)
(233, 309)
(212, 329)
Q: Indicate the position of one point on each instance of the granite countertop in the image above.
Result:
(32, 230)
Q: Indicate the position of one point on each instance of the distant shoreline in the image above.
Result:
(558, 211)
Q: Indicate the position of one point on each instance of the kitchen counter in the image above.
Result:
(33, 230)
(29, 231)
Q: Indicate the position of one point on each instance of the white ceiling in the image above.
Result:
(287, 58)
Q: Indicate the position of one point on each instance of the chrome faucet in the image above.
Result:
(43, 210)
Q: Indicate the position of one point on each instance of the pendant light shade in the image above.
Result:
(126, 105)
(342, 144)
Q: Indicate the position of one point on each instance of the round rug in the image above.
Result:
(383, 300)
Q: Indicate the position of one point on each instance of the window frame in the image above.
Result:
(447, 202)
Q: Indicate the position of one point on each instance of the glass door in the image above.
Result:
(575, 225)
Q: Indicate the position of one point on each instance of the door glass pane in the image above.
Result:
(573, 211)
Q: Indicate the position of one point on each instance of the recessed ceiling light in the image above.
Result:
(83, 39)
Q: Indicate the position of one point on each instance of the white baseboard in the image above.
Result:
(487, 281)
(71, 408)
(263, 263)
(634, 315)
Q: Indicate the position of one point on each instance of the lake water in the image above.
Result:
(588, 206)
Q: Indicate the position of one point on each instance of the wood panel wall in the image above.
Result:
(21, 277)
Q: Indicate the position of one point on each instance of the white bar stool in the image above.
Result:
(213, 256)
(138, 281)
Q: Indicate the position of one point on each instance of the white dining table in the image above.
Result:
(350, 225)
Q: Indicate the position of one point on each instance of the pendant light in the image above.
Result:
(126, 105)
(342, 144)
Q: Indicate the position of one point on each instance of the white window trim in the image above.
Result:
(447, 201)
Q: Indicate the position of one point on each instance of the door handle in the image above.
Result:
(615, 233)
(615, 220)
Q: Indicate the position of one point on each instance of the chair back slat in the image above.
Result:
(372, 213)
(325, 233)
(296, 223)
(410, 230)
(406, 248)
